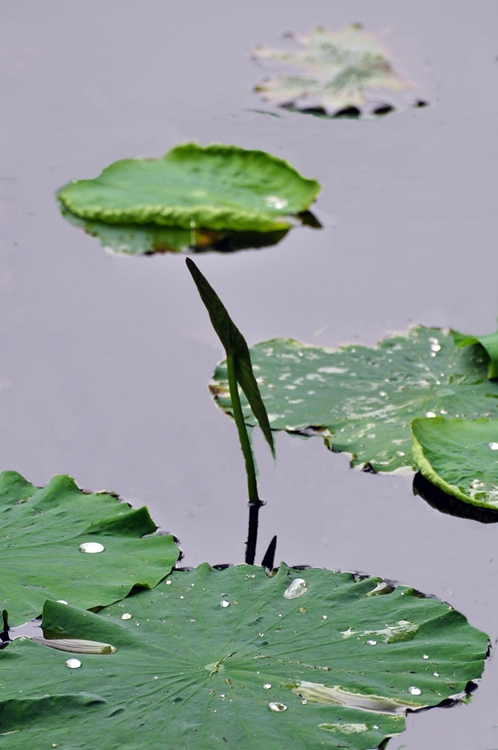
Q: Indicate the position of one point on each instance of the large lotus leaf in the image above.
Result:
(40, 557)
(489, 344)
(216, 187)
(146, 239)
(361, 399)
(235, 658)
(460, 457)
(337, 72)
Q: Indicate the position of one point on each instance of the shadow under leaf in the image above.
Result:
(147, 239)
(448, 504)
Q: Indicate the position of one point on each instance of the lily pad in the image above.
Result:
(41, 552)
(337, 73)
(216, 187)
(236, 658)
(361, 399)
(490, 345)
(460, 457)
(146, 239)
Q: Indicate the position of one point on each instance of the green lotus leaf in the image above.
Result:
(40, 557)
(303, 659)
(490, 345)
(361, 399)
(344, 72)
(216, 187)
(460, 457)
(146, 239)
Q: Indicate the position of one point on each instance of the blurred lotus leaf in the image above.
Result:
(341, 73)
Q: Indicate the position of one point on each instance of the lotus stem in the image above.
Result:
(245, 443)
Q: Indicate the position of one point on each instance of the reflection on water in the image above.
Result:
(351, 113)
(146, 239)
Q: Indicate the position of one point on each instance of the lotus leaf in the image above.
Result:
(344, 72)
(42, 530)
(490, 345)
(216, 187)
(236, 658)
(460, 457)
(361, 399)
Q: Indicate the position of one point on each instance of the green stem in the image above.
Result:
(252, 486)
(245, 443)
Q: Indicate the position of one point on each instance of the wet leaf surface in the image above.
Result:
(360, 399)
(346, 73)
(215, 187)
(460, 457)
(44, 547)
(237, 658)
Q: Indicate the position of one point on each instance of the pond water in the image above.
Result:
(106, 359)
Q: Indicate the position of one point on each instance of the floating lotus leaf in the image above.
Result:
(214, 187)
(234, 658)
(344, 72)
(490, 345)
(40, 556)
(460, 457)
(361, 399)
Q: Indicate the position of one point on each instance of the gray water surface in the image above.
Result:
(105, 359)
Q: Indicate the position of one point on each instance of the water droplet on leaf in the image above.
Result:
(296, 589)
(73, 663)
(91, 548)
(126, 616)
(277, 707)
(414, 690)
